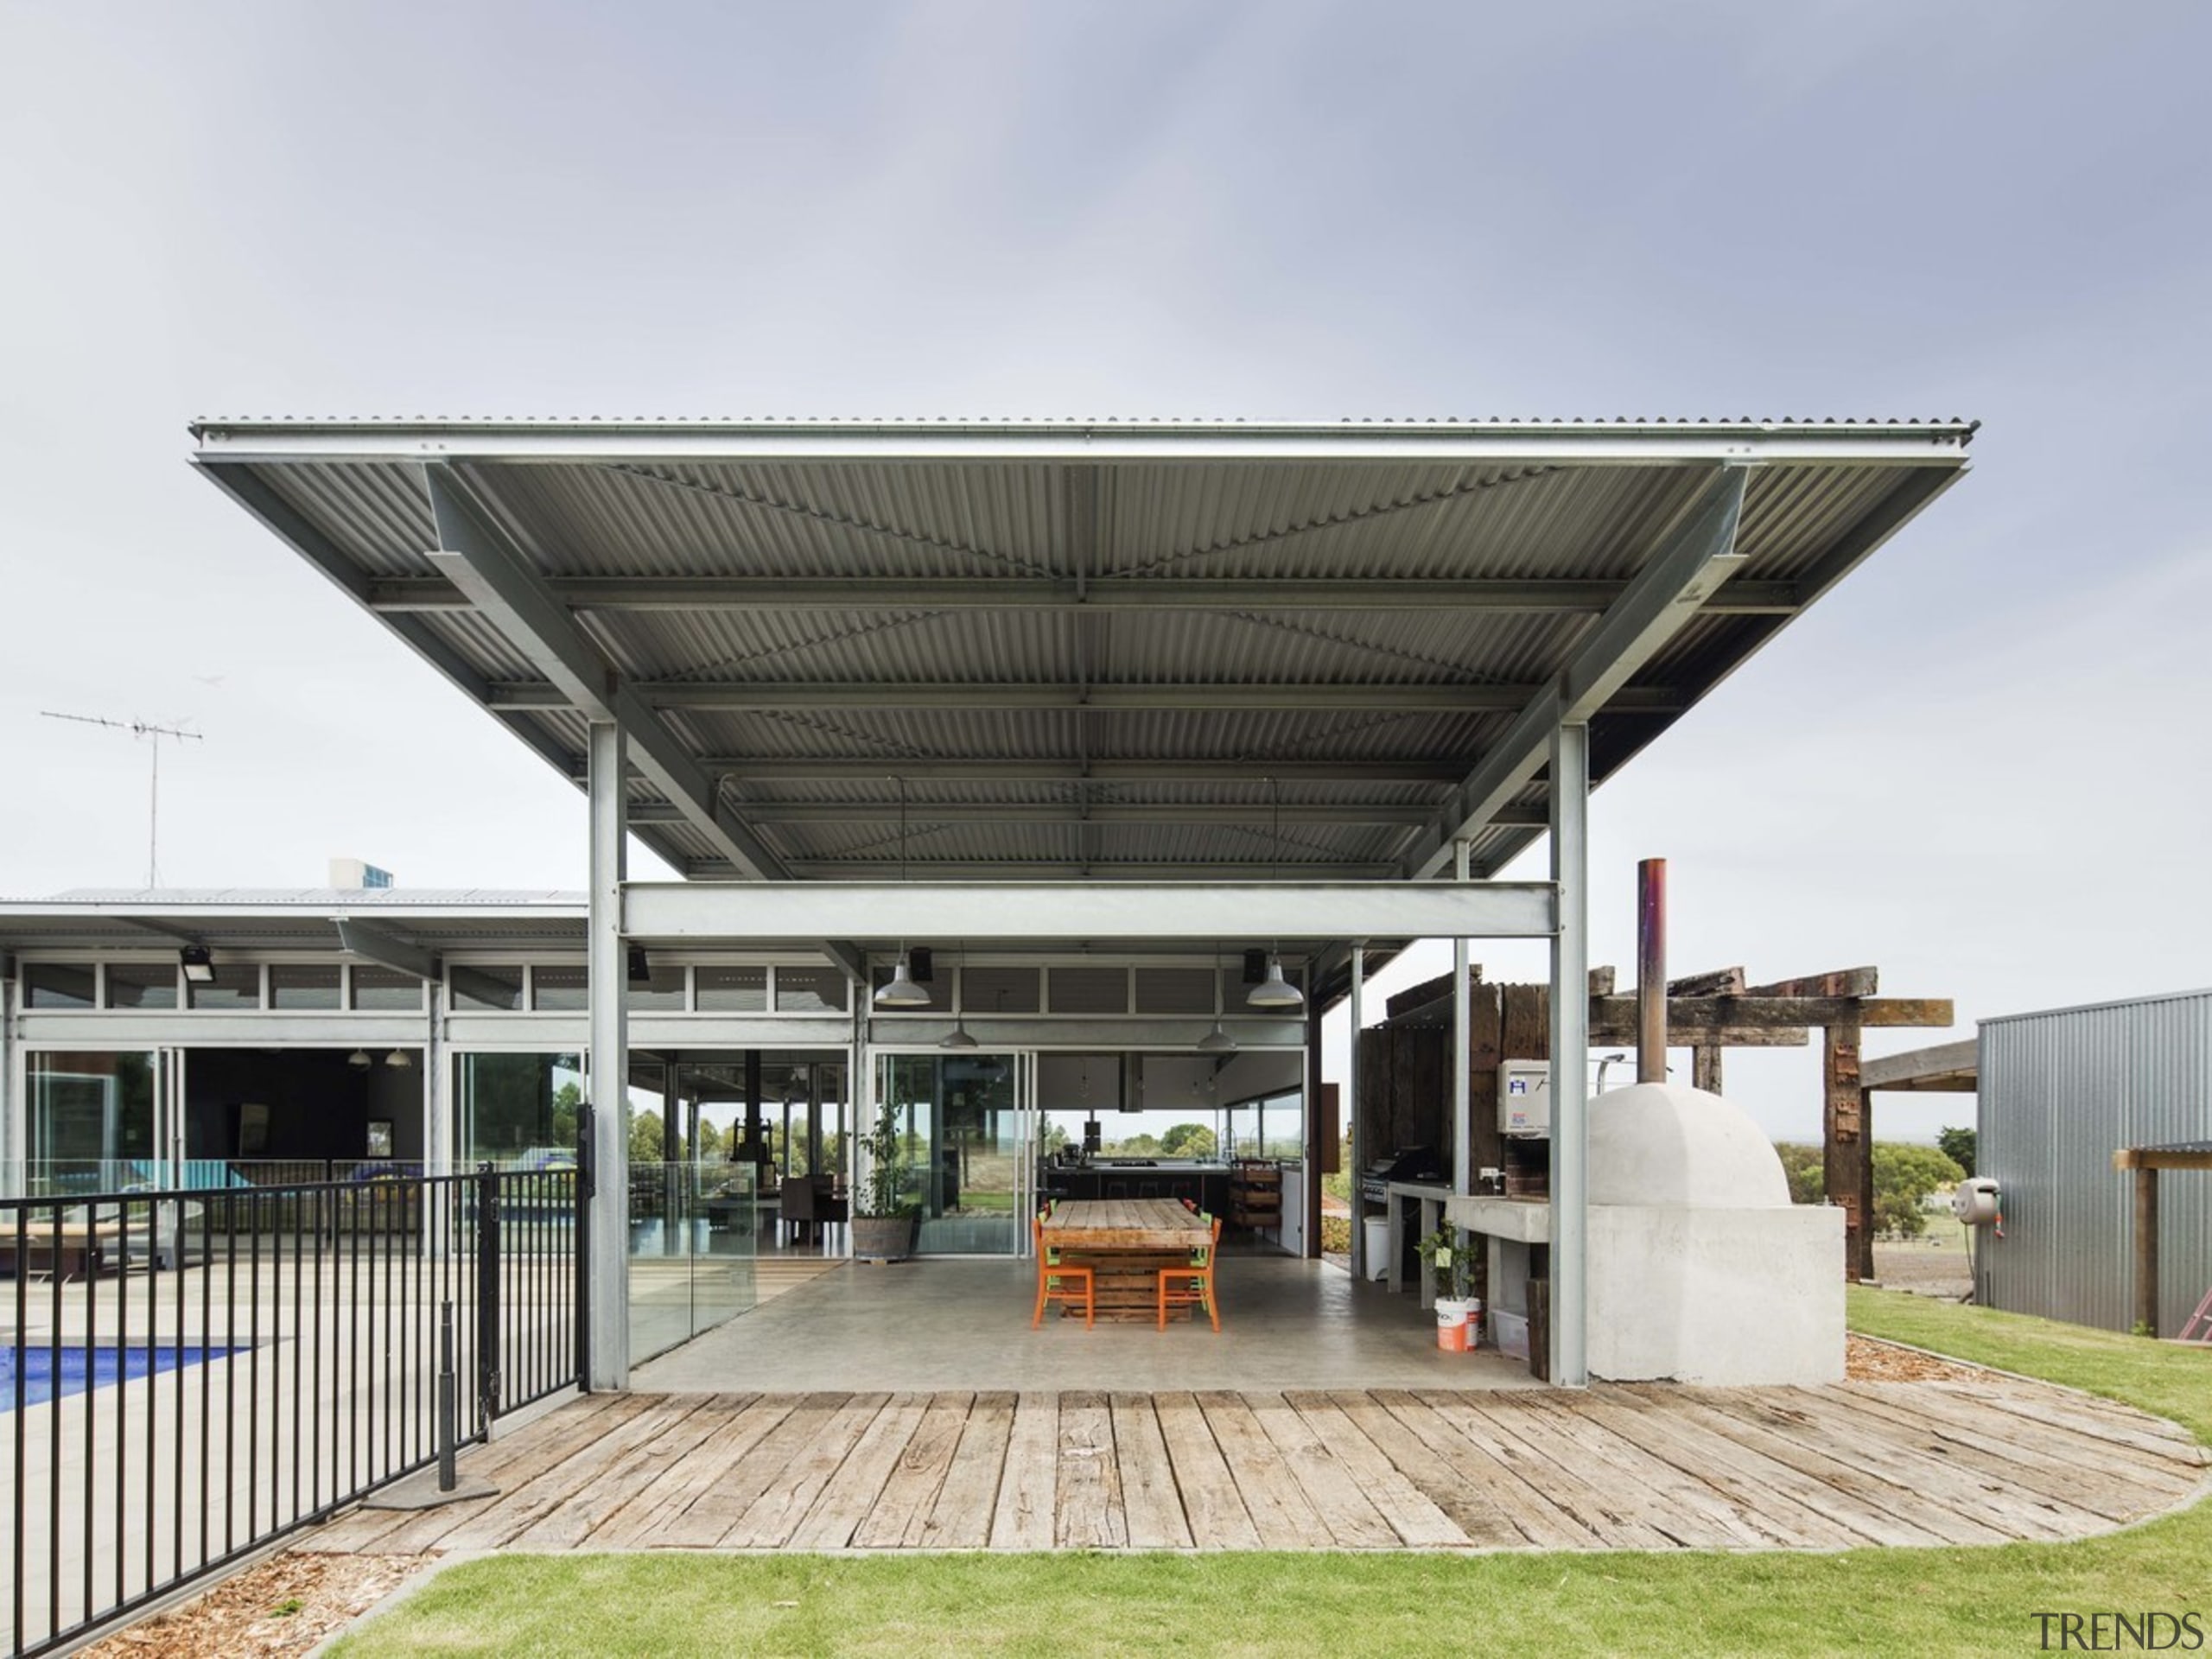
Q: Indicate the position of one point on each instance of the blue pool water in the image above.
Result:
(29, 1376)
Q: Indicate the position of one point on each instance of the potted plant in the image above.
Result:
(884, 1215)
(1450, 1267)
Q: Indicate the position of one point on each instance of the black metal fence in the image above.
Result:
(197, 1371)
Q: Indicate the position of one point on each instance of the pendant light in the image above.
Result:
(1216, 1041)
(959, 1036)
(398, 1059)
(359, 1060)
(902, 992)
(1274, 991)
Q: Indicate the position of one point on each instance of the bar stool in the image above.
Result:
(1193, 1286)
(1050, 1273)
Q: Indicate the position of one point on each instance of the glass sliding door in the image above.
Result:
(97, 1120)
(966, 1126)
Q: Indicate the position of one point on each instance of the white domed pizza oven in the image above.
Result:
(1700, 1266)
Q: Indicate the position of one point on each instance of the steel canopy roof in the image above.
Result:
(1084, 649)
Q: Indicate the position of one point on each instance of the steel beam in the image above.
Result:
(1503, 442)
(608, 997)
(1569, 757)
(1069, 870)
(409, 595)
(896, 696)
(385, 949)
(783, 769)
(920, 813)
(481, 559)
(1690, 564)
(989, 913)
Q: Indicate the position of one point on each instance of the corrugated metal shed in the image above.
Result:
(1089, 619)
(2061, 1093)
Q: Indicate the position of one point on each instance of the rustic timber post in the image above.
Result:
(1848, 1161)
(1705, 1067)
(1651, 970)
(2146, 1249)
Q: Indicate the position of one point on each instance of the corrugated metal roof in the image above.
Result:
(1198, 523)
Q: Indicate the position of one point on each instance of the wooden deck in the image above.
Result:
(1616, 1468)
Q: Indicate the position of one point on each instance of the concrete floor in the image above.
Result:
(950, 1324)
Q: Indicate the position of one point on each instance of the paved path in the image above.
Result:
(1652, 1467)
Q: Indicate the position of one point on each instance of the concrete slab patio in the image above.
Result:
(954, 1323)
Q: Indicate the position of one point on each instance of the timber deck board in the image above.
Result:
(1644, 1467)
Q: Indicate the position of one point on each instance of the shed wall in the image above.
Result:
(2060, 1093)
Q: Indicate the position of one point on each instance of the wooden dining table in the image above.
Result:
(1125, 1243)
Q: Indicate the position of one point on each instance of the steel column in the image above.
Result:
(437, 1090)
(1463, 1140)
(13, 1121)
(1570, 1045)
(607, 971)
(1351, 1106)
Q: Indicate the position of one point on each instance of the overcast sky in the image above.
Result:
(1979, 763)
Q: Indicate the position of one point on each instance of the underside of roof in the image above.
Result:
(1031, 651)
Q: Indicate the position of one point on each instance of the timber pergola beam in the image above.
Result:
(1945, 1069)
(778, 696)
(406, 595)
(1687, 566)
(2144, 1164)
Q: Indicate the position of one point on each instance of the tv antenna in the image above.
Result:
(153, 733)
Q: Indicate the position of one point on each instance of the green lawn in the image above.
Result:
(1948, 1601)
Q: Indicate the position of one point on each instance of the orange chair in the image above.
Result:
(1052, 1273)
(1193, 1287)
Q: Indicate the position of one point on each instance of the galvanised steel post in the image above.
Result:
(607, 971)
(1570, 1045)
(1463, 1140)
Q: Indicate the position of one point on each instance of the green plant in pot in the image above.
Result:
(1451, 1274)
(884, 1212)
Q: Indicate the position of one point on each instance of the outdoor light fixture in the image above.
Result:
(958, 1036)
(359, 1060)
(199, 965)
(901, 992)
(641, 970)
(398, 1059)
(1216, 1041)
(1274, 991)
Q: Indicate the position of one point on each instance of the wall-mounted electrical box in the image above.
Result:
(1524, 1097)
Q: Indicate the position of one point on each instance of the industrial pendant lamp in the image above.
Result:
(1274, 991)
(359, 1060)
(902, 992)
(1216, 1041)
(958, 1036)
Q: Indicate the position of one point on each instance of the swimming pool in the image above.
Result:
(29, 1376)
